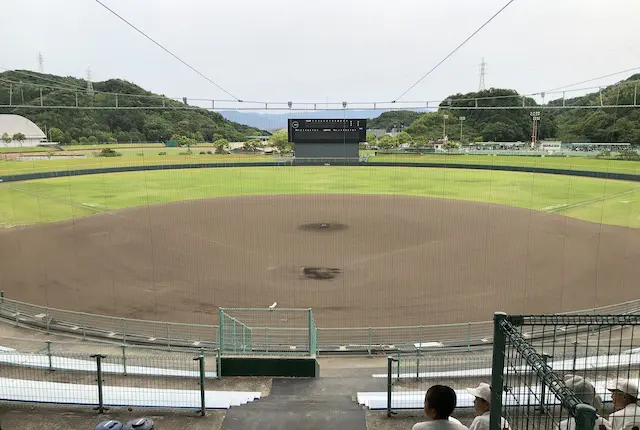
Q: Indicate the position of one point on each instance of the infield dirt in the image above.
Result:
(357, 260)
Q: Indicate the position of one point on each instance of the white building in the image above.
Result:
(12, 124)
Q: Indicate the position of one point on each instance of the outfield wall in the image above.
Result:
(321, 162)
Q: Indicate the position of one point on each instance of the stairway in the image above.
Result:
(296, 404)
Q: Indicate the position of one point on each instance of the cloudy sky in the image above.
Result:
(302, 50)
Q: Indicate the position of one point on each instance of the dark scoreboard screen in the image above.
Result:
(327, 130)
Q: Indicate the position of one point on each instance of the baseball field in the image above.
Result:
(362, 246)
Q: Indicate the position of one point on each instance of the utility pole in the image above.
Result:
(462, 118)
(535, 116)
(444, 127)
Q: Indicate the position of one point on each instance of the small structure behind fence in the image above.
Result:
(271, 331)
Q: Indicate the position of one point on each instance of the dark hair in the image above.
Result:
(442, 399)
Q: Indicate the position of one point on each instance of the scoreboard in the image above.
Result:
(327, 130)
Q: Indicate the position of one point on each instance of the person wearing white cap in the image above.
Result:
(586, 393)
(439, 404)
(625, 404)
(482, 405)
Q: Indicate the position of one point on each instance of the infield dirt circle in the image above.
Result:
(357, 260)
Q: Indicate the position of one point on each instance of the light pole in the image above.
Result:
(535, 116)
(462, 118)
(444, 127)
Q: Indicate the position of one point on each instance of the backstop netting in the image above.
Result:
(554, 371)
(246, 331)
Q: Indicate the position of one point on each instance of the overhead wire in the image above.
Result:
(166, 50)
(455, 50)
(594, 79)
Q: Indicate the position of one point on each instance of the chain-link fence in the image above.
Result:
(267, 332)
(554, 371)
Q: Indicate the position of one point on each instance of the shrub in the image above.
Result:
(209, 152)
(202, 152)
(162, 153)
(107, 152)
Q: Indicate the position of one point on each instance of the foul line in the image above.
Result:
(564, 207)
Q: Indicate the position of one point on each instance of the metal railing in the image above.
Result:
(346, 340)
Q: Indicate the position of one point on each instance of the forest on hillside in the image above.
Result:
(601, 124)
(98, 126)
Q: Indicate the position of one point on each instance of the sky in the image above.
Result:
(325, 50)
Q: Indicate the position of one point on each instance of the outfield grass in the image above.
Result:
(42, 201)
(111, 146)
(572, 163)
(26, 149)
(138, 156)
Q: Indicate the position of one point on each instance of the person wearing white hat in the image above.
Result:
(586, 393)
(439, 404)
(482, 405)
(626, 413)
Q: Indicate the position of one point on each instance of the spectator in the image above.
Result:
(586, 393)
(482, 405)
(110, 425)
(439, 403)
(626, 413)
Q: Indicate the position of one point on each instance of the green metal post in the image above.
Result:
(312, 344)
(221, 330)
(48, 342)
(168, 336)
(497, 372)
(101, 409)
(266, 335)
(124, 359)
(390, 361)
(369, 342)
(585, 417)
(47, 319)
(218, 364)
(124, 331)
(469, 336)
(1, 296)
(200, 359)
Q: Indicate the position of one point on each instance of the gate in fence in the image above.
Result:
(251, 331)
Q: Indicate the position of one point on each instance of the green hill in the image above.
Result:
(601, 125)
(394, 118)
(511, 125)
(139, 125)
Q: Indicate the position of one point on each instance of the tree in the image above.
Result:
(252, 145)
(280, 141)
(19, 137)
(404, 138)
(56, 135)
(6, 138)
(387, 142)
(222, 145)
(372, 139)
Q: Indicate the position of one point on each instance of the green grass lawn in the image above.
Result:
(42, 201)
(26, 149)
(573, 163)
(136, 156)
